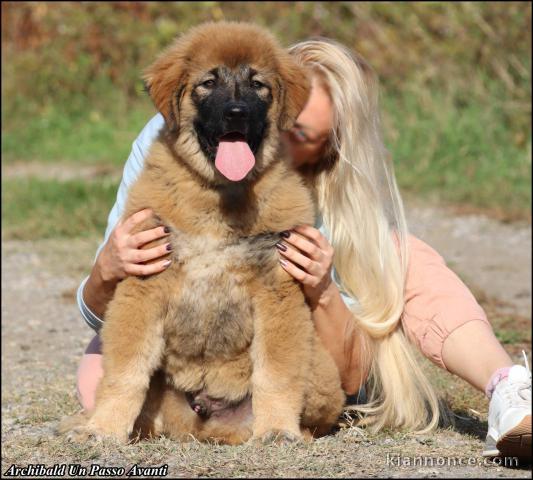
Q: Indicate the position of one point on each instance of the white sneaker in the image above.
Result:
(509, 420)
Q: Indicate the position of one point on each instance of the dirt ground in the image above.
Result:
(43, 337)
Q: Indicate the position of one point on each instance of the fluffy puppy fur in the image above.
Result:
(224, 328)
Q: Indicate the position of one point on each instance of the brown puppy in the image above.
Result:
(224, 329)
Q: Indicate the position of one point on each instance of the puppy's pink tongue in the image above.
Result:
(234, 159)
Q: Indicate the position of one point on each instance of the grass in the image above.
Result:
(29, 422)
(34, 208)
(86, 135)
(507, 337)
(350, 452)
(461, 154)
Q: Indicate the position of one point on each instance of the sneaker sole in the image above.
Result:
(517, 441)
(489, 449)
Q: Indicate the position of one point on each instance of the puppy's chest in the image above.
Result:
(211, 309)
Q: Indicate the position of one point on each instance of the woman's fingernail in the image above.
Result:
(167, 229)
(283, 262)
(167, 263)
(169, 247)
(281, 247)
(285, 234)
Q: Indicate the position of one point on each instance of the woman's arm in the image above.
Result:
(120, 257)
(334, 322)
(336, 326)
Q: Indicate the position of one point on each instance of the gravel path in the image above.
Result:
(43, 337)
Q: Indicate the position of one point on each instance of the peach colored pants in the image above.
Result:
(436, 303)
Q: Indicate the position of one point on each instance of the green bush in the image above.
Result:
(69, 52)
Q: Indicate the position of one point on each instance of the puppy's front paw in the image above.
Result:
(277, 437)
(71, 422)
(80, 428)
(82, 434)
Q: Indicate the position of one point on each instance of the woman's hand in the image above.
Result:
(122, 255)
(308, 257)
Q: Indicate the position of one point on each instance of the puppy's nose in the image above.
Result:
(236, 111)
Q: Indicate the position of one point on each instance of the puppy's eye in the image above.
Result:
(256, 84)
(208, 83)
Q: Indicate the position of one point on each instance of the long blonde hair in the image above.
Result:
(361, 207)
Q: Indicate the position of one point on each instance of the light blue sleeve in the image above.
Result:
(132, 170)
(348, 300)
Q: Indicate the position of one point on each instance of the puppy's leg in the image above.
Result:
(324, 399)
(148, 423)
(178, 419)
(133, 343)
(281, 355)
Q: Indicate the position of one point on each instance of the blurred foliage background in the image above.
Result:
(455, 95)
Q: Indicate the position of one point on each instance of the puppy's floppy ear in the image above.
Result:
(295, 88)
(165, 81)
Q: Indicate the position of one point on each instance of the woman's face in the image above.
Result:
(307, 140)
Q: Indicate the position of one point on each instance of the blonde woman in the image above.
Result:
(373, 288)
